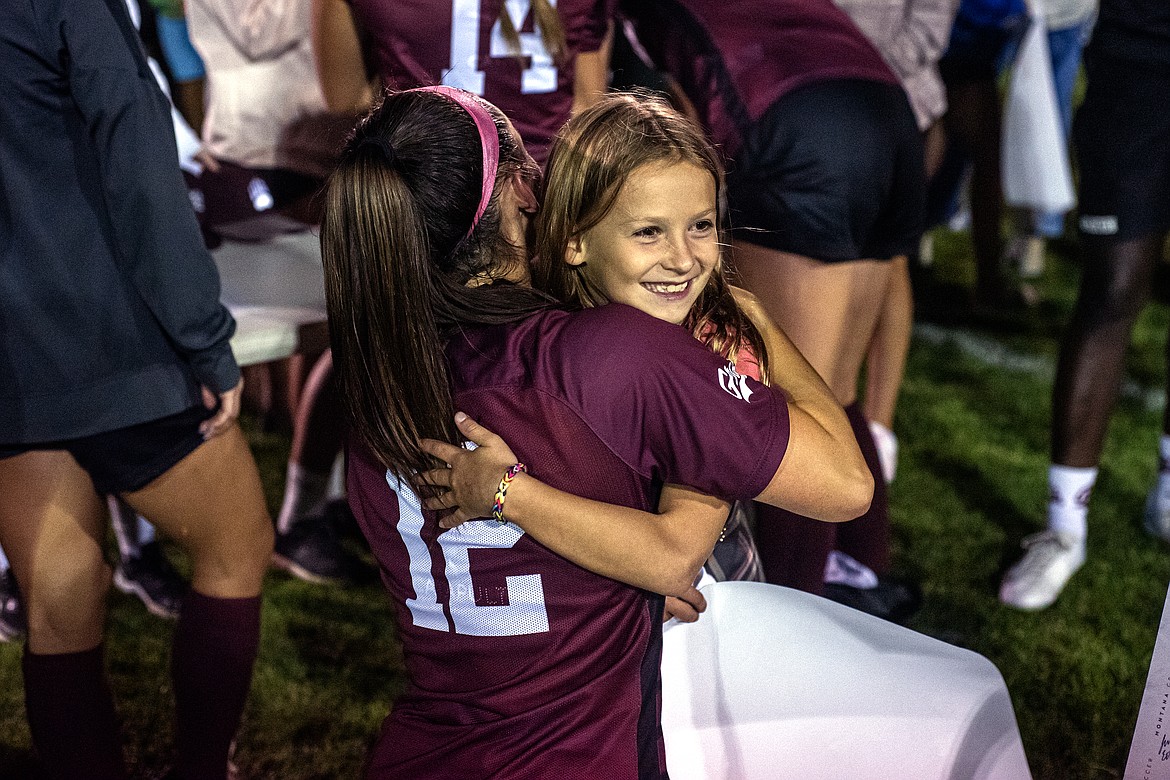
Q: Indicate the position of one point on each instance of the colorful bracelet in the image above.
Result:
(502, 490)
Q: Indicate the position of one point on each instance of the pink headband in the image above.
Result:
(489, 140)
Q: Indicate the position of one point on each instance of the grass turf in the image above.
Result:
(970, 486)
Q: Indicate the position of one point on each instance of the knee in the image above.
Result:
(232, 563)
(1113, 302)
(65, 604)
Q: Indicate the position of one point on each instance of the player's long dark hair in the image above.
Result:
(398, 263)
(591, 158)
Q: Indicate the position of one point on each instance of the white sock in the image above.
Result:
(1164, 452)
(305, 493)
(1068, 507)
(887, 449)
(145, 531)
(842, 569)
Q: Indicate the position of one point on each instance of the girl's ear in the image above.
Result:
(575, 251)
(525, 197)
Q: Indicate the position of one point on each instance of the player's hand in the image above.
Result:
(207, 160)
(686, 608)
(229, 410)
(468, 484)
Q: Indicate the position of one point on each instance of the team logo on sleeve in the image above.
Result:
(734, 382)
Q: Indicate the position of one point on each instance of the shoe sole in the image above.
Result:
(132, 588)
(9, 634)
(289, 566)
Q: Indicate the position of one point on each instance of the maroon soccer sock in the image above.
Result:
(71, 715)
(211, 664)
(867, 539)
(793, 548)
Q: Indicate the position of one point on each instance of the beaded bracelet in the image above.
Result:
(502, 490)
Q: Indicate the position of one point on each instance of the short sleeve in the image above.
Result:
(675, 411)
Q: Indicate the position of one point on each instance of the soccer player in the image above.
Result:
(522, 663)
(117, 378)
(1122, 138)
(537, 67)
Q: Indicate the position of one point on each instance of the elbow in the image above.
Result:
(854, 495)
(677, 575)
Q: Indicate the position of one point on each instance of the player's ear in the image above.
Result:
(522, 191)
(575, 251)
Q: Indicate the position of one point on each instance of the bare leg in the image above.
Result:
(973, 123)
(51, 527)
(1115, 286)
(885, 363)
(211, 503)
(317, 436)
(830, 311)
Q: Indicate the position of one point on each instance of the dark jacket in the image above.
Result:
(109, 302)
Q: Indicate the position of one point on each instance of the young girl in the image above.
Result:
(522, 661)
(633, 212)
(631, 186)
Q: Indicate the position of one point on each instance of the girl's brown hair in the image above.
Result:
(398, 258)
(591, 158)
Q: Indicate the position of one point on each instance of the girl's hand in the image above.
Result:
(468, 484)
(686, 608)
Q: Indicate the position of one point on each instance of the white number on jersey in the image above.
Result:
(525, 611)
(539, 77)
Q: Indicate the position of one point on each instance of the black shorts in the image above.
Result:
(1122, 136)
(128, 459)
(832, 171)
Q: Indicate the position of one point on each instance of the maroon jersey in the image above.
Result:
(521, 664)
(735, 58)
(459, 43)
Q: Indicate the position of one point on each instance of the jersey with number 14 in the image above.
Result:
(520, 663)
(460, 43)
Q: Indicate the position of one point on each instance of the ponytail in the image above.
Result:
(391, 369)
(398, 256)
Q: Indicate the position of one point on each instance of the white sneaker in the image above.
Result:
(1157, 516)
(842, 569)
(1052, 558)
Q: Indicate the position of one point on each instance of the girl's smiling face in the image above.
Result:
(657, 246)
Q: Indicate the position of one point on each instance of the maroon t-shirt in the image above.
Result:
(735, 58)
(522, 664)
(459, 43)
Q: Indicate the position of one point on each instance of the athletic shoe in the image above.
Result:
(890, 599)
(1052, 558)
(311, 552)
(1157, 515)
(12, 623)
(151, 578)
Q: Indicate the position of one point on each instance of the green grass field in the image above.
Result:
(970, 486)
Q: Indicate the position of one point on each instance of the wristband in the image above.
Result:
(502, 491)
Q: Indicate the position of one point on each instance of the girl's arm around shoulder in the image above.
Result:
(823, 474)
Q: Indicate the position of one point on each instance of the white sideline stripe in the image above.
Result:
(1149, 753)
(991, 352)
